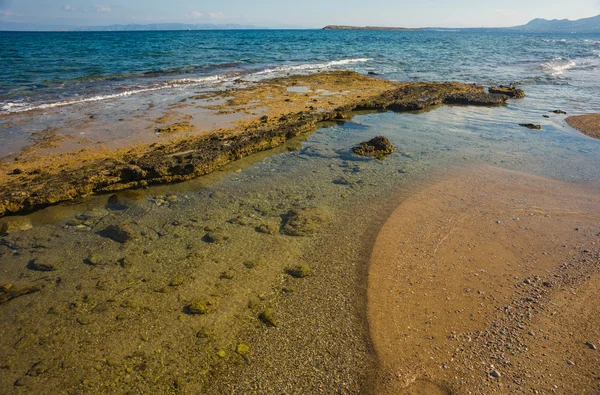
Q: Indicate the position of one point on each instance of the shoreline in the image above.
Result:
(474, 279)
(271, 112)
(588, 124)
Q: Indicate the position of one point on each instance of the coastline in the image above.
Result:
(257, 117)
(475, 279)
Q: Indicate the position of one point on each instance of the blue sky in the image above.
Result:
(303, 13)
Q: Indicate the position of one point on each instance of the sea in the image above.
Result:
(43, 70)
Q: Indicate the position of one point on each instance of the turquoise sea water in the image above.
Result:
(46, 69)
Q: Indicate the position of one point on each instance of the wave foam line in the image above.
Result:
(558, 66)
(22, 107)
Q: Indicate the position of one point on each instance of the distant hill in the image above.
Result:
(342, 27)
(165, 26)
(585, 25)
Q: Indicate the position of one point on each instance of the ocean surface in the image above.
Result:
(42, 70)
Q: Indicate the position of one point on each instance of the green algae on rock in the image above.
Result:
(299, 271)
(268, 318)
(56, 178)
(379, 147)
(508, 90)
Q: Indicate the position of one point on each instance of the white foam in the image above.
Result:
(312, 66)
(22, 107)
(558, 66)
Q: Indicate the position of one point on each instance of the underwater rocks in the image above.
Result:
(199, 307)
(299, 271)
(268, 318)
(121, 233)
(39, 266)
(531, 126)
(379, 147)
(304, 222)
(508, 90)
(12, 291)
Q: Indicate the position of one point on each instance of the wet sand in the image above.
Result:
(487, 283)
(588, 124)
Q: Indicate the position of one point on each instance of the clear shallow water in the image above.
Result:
(43, 69)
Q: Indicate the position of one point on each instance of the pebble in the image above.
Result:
(495, 374)
(570, 363)
(299, 271)
(24, 382)
(591, 345)
(38, 266)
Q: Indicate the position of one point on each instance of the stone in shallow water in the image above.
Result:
(509, 91)
(40, 266)
(531, 126)
(268, 318)
(121, 233)
(304, 222)
(379, 147)
(299, 271)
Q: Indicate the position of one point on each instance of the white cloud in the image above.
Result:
(103, 8)
(69, 7)
(194, 15)
(7, 13)
(215, 15)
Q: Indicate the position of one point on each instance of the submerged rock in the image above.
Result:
(198, 307)
(561, 112)
(304, 222)
(40, 266)
(379, 147)
(121, 233)
(268, 318)
(216, 237)
(11, 291)
(531, 126)
(508, 90)
(268, 228)
(299, 271)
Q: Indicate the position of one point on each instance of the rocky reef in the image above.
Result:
(36, 185)
(379, 147)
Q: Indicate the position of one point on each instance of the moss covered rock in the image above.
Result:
(299, 271)
(379, 147)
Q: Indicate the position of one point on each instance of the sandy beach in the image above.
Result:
(485, 283)
(587, 124)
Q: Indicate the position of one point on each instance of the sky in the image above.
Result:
(300, 13)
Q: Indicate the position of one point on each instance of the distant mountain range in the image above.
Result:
(585, 25)
(166, 26)
(344, 27)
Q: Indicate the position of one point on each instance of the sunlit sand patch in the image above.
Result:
(466, 275)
